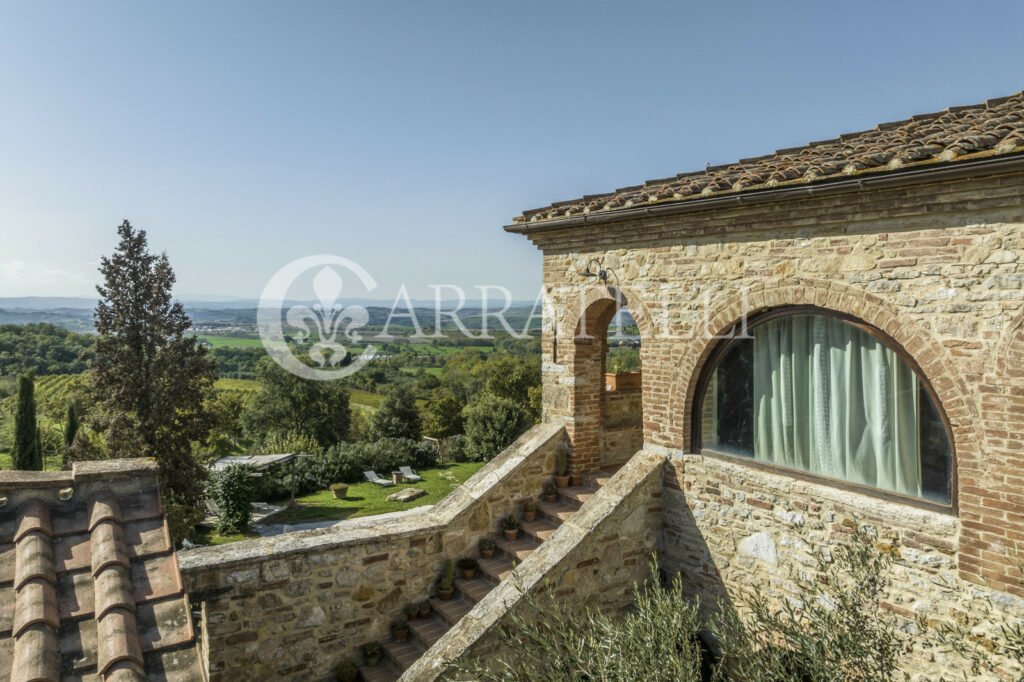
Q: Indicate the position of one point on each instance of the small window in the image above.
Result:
(826, 396)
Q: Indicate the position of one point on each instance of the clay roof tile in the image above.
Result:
(944, 136)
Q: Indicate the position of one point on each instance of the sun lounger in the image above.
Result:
(374, 477)
(410, 475)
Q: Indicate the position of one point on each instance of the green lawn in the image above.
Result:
(242, 385)
(363, 499)
(368, 499)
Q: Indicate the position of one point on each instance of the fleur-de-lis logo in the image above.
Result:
(324, 327)
(327, 318)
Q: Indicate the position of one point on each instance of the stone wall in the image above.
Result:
(728, 527)
(294, 606)
(938, 267)
(593, 560)
(623, 425)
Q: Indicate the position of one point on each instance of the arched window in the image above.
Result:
(822, 393)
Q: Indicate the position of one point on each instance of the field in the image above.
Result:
(239, 385)
(217, 341)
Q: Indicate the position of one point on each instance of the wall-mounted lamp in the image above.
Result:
(600, 273)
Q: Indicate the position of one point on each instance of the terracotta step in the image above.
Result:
(540, 530)
(428, 630)
(556, 512)
(517, 550)
(402, 654)
(474, 589)
(577, 494)
(382, 672)
(452, 609)
(497, 568)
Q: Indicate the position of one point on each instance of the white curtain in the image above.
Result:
(832, 399)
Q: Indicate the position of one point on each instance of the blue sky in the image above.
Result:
(243, 135)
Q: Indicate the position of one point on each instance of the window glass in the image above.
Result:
(815, 393)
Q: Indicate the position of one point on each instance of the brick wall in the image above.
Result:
(623, 425)
(938, 267)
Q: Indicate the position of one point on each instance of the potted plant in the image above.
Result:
(550, 492)
(562, 468)
(339, 490)
(529, 510)
(425, 609)
(446, 585)
(511, 526)
(486, 548)
(412, 611)
(371, 653)
(347, 672)
(400, 630)
(468, 566)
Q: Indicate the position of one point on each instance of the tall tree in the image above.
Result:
(397, 416)
(25, 455)
(70, 431)
(151, 379)
(287, 403)
(443, 415)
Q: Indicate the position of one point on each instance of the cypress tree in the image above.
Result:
(151, 377)
(24, 454)
(37, 451)
(70, 431)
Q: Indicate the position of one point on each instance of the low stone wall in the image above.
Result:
(623, 425)
(727, 527)
(294, 606)
(593, 560)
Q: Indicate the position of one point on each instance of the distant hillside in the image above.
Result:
(44, 348)
(72, 319)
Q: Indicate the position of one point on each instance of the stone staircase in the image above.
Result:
(424, 632)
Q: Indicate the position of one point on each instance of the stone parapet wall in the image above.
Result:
(294, 606)
(728, 527)
(593, 560)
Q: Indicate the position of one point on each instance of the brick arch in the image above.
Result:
(1009, 365)
(927, 352)
(595, 301)
(582, 343)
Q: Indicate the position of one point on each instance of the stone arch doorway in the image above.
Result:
(606, 392)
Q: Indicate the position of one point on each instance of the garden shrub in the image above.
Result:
(233, 491)
(492, 424)
(831, 627)
(345, 463)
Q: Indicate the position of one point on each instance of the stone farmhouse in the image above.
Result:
(830, 336)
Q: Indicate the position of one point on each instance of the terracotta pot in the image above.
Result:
(467, 573)
(486, 553)
(529, 515)
(562, 481)
(425, 612)
(400, 635)
(339, 491)
(622, 381)
(511, 534)
(552, 497)
(445, 594)
(370, 662)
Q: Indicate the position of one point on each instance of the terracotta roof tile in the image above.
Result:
(951, 136)
(117, 639)
(35, 656)
(36, 603)
(33, 559)
(91, 588)
(107, 546)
